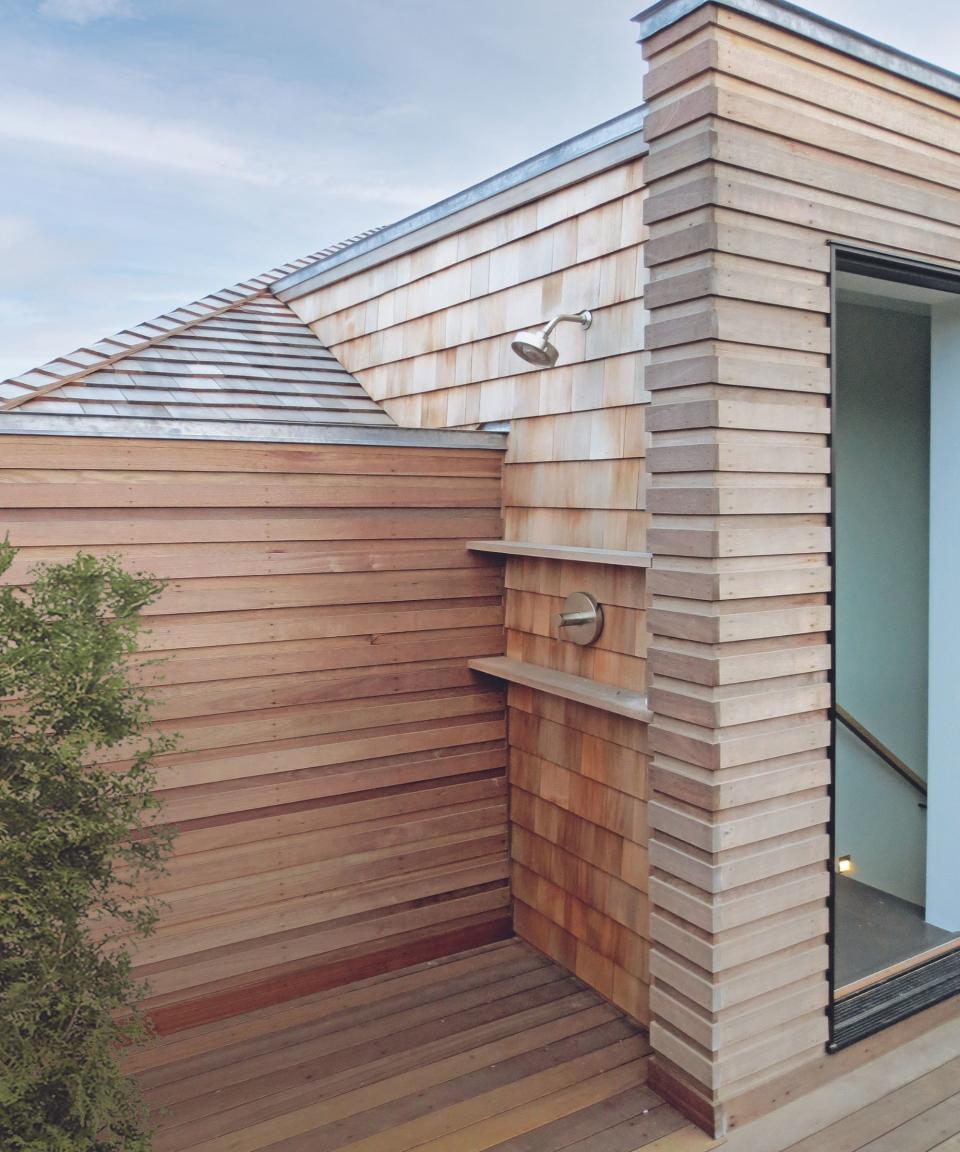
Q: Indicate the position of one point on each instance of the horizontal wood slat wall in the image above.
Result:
(339, 788)
(428, 334)
(763, 148)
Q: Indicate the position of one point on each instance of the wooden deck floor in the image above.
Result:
(498, 1049)
(492, 1049)
(906, 1100)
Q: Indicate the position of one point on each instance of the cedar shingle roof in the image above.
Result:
(238, 354)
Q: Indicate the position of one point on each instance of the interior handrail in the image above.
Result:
(881, 750)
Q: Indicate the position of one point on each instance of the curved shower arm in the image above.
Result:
(584, 318)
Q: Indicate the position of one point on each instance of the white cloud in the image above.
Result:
(15, 230)
(128, 137)
(83, 11)
(29, 253)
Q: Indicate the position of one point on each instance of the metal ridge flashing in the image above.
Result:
(621, 127)
(820, 29)
(22, 423)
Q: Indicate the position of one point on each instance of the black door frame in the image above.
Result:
(861, 1014)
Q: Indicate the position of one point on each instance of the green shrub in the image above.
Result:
(68, 704)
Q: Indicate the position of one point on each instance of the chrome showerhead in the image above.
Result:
(535, 346)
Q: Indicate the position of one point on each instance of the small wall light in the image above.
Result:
(844, 863)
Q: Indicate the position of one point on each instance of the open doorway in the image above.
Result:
(896, 477)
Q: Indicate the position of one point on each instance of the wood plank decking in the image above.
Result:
(500, 1050)
(905, 1100)
(496, 1048)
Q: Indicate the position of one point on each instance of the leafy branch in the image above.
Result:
(69, 817)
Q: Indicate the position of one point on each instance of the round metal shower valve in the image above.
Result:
(581, 619)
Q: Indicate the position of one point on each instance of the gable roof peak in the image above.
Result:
(236, 355)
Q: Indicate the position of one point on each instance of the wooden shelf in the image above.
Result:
(563, 552)
(606, 697)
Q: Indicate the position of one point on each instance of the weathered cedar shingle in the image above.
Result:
(239, 354)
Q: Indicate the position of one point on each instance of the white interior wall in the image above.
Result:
(943, 813)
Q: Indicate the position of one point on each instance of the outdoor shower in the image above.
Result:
(535, 347)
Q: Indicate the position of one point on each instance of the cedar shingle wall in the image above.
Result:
(339, 788)
(428, 335)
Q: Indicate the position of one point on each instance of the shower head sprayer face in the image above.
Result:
(535, 348)
(535, 345)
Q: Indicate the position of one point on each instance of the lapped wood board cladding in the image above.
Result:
(339, 789)
(764, 148)
(428, 335)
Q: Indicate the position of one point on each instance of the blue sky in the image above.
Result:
(156, 150)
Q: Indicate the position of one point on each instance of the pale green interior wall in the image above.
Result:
(881, 478)
(943, 833)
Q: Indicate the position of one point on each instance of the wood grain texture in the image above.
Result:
(562, 552)
(577, 688)
(479, 1050)
(901, 1098)
(763, 148)
(339, 785)
(494, 1049)
(428, 334)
